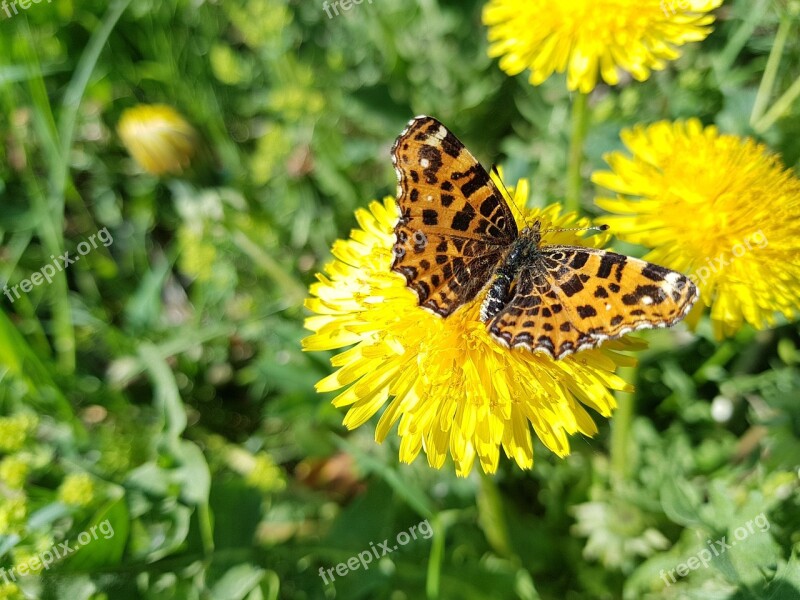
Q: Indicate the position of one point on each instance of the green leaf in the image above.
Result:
(681, 502)
(166, 395)
(192, 475)
(786, 583)
(106, 537)
(144, 307)
(237, 582)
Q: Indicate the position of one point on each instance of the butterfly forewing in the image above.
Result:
(575, 298)
(454, 224)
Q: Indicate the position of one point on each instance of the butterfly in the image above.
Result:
(456, 236)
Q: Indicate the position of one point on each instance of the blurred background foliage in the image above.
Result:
(159, 383)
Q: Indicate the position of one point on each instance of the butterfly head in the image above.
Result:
(532, 233)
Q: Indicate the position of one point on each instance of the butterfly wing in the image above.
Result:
(575, 298)
(454, 223)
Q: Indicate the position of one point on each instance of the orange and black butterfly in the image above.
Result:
(456, 236)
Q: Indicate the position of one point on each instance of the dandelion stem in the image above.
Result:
(621, 428)
(580, 120)
(781, 107)
(770, 72)
(737, 41)
(436, 558)
(491, 516)
(292, 289)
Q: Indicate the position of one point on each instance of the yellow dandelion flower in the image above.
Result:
(719, 208)
(77, 489)
(590, 37)
(160, 140)
(451, 387)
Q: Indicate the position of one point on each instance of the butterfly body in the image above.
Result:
(456, 237)
(524, 253)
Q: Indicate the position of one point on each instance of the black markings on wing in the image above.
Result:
(610, 295)
(455, 227)
(445, 197)
(528, 320)
(445, 272)
(435, 171)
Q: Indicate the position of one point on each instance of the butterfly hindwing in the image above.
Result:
(445, 272)
(576, 298)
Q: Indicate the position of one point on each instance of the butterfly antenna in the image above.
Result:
(602, 227)
(510, 197)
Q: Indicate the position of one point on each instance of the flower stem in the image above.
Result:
(436, 559)
(770, 72)
(621, 429)
(580, 119)
(781, 107)
(737, 40)
(492, 518)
